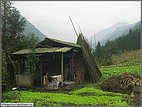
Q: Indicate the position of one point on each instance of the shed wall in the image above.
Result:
(24, 80)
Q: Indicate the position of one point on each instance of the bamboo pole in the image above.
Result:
(62, 67)
(93, 71)
(73, 26)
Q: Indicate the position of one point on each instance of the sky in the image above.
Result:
(52, 17)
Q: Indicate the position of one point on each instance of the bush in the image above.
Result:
(4, 71)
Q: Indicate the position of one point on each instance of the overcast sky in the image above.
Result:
(52, 17)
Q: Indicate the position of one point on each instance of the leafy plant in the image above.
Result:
(108, 72)
(58, 99)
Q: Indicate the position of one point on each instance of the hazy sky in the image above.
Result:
(52, 17)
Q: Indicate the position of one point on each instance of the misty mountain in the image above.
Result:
(29, 28)
(103, 33)
(120, 31)
(113, 32)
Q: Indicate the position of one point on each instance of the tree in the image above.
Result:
(31, 59)
(12, 29)
(12, 26)
(14, 40)
(99, 52)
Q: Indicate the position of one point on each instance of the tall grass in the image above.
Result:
(127, 56)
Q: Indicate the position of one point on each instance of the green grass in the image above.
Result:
(74, 98)
(108, 72)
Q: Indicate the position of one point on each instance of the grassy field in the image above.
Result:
(88, 95)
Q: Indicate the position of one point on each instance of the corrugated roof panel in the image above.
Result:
(65, 49)
(24, 51)
(44, 50)
(63, 42)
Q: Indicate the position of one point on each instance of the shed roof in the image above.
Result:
(63, 42)
(43, 50)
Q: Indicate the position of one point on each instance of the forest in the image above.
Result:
(129, 42)
(118, 62)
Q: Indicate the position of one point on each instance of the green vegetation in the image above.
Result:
(108, 72)
(4, 71)
(83, 96)
(13, 40)
(127, 57)
(97, 92)
(12, 28)
(74, 98)
(107, 55)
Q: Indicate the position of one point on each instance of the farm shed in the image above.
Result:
(56, 58)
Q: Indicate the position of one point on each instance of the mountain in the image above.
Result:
(120, 31)
(103, 33)
(114, 32)
(29, 28)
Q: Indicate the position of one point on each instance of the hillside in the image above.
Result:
(114, 32)
(128, 57)
(130, 41)
(29, 28)
(120, 31)
(105, 32)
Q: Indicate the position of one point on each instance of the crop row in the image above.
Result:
(59, 99)
(108, 72)
(122, 65)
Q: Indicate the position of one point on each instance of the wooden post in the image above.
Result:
(19, 67)
(62, 67)
(41, 69)
(70, 70)
(72, 66)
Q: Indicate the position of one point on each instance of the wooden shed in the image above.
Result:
(57, 58)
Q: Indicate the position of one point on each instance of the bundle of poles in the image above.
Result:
(93, 71)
